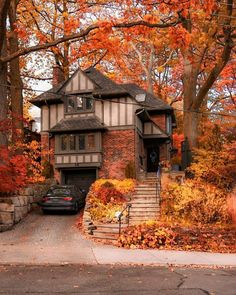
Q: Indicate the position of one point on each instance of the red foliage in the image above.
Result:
(166, 236)
(177, 139)
(109, 195)
(13, 170)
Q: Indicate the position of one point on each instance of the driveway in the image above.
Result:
(42, 238)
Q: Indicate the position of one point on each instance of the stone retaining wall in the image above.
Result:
(14, 208)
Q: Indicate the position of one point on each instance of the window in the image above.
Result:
(169, 125)
(78, 142)
(64, 142)
(90, 141)
(81, 142)
(77, 104)
(72, 142)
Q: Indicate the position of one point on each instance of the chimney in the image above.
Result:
(57, 75)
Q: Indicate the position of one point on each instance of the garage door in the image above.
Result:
(80, 178)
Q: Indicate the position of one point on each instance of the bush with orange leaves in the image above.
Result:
(107, 196)
(19, 166)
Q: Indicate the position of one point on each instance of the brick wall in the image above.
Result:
(163, 152)
(118, 150)
(160, 120)
(44, 141)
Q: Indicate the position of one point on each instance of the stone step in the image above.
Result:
(109, 229)
(141, 220)
(148, 187)
(144, 205)
(151, 192)
(146, 210)
(146, 217)
(104, 236)
(138, 194)
(145, 197)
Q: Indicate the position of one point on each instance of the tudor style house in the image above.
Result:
(97, 127)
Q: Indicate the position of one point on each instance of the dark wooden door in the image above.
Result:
(152, 159)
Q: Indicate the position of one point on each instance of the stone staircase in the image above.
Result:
(145, 205)
(145, 201)
(107, 231)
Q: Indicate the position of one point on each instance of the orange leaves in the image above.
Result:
(107, 196)
(13, 171)
(180, 37)
(71, 25)
(41, 37)
(19, 162)
(169, 236)
(177, 140)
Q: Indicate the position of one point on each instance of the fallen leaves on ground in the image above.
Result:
(211, 238)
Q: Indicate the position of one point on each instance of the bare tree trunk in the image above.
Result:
(4, 5)
(190, 123)
(15, 79)
(3, 100)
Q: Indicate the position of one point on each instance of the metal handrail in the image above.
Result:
(127, 208)
(158, 182)
(158, 188)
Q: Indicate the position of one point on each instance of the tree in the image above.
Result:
(202, 35)
(8, 10)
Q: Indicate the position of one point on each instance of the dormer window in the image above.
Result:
(79, 104)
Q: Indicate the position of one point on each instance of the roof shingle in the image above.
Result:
(77, 124)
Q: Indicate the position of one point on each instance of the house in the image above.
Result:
(97, 128)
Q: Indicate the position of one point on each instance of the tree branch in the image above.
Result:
(47, 45)
(146, 24)
(223, 60)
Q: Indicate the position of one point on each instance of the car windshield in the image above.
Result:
(59, 191)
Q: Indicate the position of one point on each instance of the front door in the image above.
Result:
(152, 159)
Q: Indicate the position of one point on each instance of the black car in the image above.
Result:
(63, 197)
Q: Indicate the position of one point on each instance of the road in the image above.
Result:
(125, 280)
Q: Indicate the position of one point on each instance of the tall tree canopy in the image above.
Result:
(178, 49)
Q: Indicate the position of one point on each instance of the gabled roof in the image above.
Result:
(151, 101)
(49, 97)
(104, 88)
(77, 124)
(145, 118)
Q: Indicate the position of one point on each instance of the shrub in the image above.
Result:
(147, 236)
(125, 186)
(130, 170)
(195, 202)
(215, 167)
(103, 212)
(47, 169)
(166, 236)
(107, 196)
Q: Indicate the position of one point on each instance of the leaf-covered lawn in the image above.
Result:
(195, 238)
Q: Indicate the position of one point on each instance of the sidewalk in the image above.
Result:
(110, 255)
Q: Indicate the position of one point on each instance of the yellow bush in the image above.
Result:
(124, 186)
(195, 203)
(106, 198)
